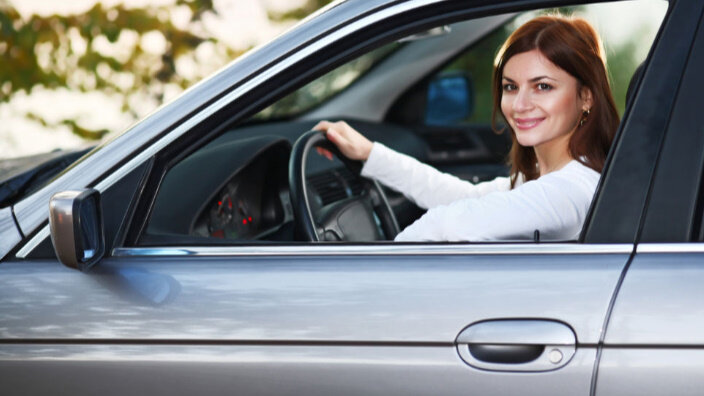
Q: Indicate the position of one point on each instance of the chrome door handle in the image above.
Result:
(509, 354)
(517, 345)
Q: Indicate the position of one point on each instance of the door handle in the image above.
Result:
(517, 345)
(509, 354)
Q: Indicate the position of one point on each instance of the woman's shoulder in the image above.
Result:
(573, 170)
(576, 168)
(574, 174)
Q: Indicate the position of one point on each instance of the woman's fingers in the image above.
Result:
(322, 126)
(350, 142)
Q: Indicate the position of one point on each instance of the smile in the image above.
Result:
(527, 123)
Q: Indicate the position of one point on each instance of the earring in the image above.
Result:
(585, 114)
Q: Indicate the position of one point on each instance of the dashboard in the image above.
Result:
(235, 188)
(253, 204)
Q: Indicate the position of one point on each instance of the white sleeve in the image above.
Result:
(555, 204)
(421, 183)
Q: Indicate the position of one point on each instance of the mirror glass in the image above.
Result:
(449, 99)
(90, 237)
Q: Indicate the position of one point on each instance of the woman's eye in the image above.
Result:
(544, 87)
(509, 87)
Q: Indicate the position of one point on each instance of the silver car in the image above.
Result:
(204, 251)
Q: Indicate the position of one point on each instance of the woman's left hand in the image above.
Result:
(350, 142)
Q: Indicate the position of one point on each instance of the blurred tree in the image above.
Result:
(127, 51)
(622, 61)
(301, 12)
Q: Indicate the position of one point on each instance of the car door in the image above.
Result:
(301, 318)
(653, 341)
(284, 320)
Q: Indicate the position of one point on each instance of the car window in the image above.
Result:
(322, 88)
(235, 189)
(626, 41)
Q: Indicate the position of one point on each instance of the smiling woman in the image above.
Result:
(548, 76)
(542, 103)
(552, 88)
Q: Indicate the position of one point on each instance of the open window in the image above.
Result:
(427, 95)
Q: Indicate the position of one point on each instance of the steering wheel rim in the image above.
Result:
(303, 215)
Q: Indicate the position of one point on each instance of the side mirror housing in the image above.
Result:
(449, 99)
(77, 228)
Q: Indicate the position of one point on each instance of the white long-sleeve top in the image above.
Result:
(554, 204)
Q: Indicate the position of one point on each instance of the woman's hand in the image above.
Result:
(350, 142)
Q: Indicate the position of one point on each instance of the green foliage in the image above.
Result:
(622, 61)
(69, 51)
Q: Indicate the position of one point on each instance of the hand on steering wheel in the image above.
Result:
(351, 143)
(350, 219)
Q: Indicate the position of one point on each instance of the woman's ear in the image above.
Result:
(587, 99)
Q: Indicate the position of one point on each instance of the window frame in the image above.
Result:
(227, 108)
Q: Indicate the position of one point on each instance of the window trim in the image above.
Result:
(663, 248)
(382, 249)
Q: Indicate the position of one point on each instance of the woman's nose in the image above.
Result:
(522, 101)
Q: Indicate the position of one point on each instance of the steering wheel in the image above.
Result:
(350, 219)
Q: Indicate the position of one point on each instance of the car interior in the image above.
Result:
(427, 95)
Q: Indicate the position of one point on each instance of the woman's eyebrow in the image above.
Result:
(532, 80)
(536, 79)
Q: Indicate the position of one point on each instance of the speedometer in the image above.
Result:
(230, 215)
(221, 215)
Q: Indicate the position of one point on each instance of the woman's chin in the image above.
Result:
(527, 141)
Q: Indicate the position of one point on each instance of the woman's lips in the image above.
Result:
(527, 123)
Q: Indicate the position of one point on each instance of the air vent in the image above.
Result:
(335, 185)
(353, 182)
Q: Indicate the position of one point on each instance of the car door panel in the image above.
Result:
(371, 323)
(655, 336)
(318, 298)
(670, 284)
(650, 371)
(271, 370)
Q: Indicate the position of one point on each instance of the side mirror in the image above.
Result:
(449, 99)
(77, 228)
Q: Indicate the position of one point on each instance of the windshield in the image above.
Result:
(21, 176)
(326, 86)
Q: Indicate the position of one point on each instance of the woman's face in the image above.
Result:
(541, 102)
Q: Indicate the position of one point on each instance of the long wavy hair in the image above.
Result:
(573, 45)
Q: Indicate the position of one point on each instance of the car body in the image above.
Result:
(164, 310)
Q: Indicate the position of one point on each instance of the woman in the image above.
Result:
(551, 86)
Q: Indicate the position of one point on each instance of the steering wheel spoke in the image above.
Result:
(352, 219)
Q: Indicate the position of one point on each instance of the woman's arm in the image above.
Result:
(555, 204)
(421, 183)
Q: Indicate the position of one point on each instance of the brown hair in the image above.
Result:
(573, 45)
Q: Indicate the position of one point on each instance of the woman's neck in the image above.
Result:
(553, 155)
(553, 166)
